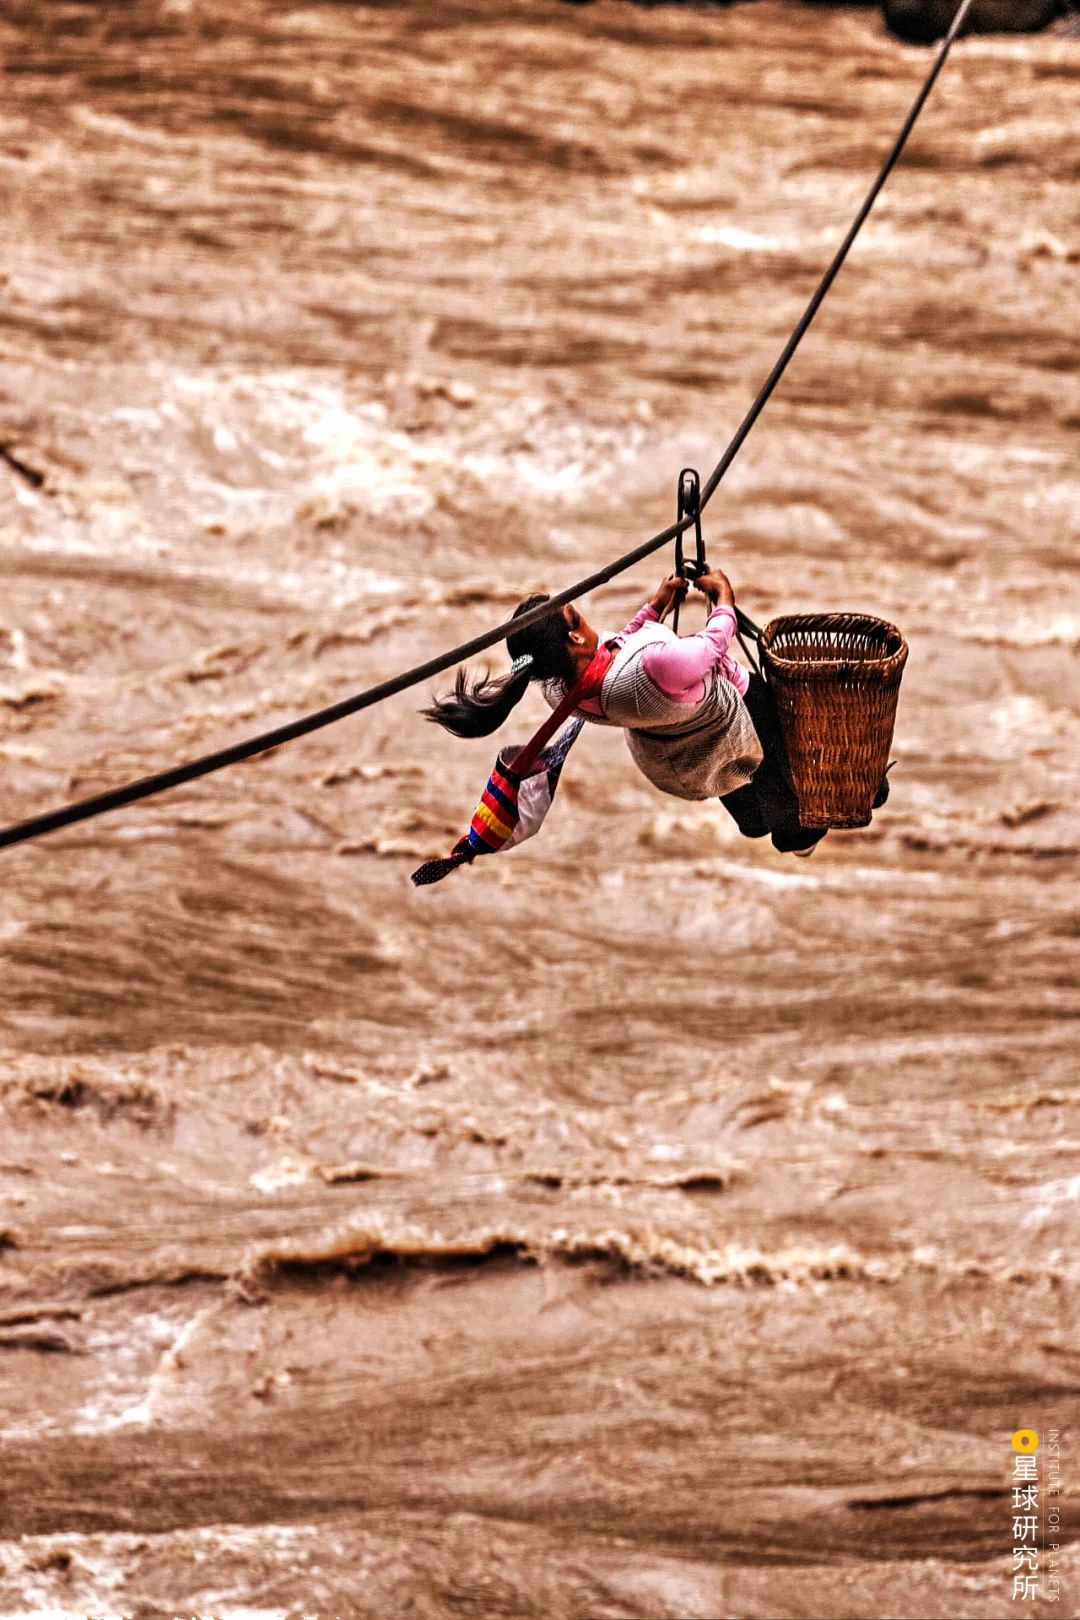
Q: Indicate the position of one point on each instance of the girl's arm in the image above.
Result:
(644, 615)
(662, 600)
(679, 666)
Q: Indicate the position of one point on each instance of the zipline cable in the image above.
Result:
(161, 781)
(841, 254)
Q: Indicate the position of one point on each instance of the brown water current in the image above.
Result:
(643, 1224)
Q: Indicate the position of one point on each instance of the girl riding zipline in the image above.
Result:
(698, 725)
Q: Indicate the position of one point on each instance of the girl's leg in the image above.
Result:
(775, 807)
(744, 807)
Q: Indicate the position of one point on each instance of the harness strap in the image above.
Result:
(584, 687)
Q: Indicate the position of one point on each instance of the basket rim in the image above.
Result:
(885, 662)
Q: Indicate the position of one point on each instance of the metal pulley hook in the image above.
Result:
(688, 504)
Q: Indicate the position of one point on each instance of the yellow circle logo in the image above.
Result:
(1025, 1440)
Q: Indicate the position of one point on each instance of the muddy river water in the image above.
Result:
(644, 1224)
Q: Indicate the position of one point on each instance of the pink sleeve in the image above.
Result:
(679, 666)
(644, 615)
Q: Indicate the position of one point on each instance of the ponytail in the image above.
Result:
(540, 652)
(478, 709)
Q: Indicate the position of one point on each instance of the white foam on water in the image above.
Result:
(125, 1398)
(287, 1172)
(1053, 1195)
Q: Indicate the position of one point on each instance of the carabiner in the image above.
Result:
(688, 505)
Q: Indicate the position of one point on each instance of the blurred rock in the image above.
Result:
(921, 21)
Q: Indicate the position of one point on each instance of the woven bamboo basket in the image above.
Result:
(836, 679)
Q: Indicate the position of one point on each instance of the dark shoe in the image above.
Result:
(883, 790)
(803, 842)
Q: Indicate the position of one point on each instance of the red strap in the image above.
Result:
(584, 687)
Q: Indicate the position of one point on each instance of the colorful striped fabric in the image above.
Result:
(532, 772)
(496, 816)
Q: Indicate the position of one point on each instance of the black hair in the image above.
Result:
(479, 708)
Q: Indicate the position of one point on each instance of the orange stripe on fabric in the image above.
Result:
(488, 817)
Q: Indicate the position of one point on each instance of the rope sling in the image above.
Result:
(189, 771)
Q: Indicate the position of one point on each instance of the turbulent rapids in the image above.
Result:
(653, 1225)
